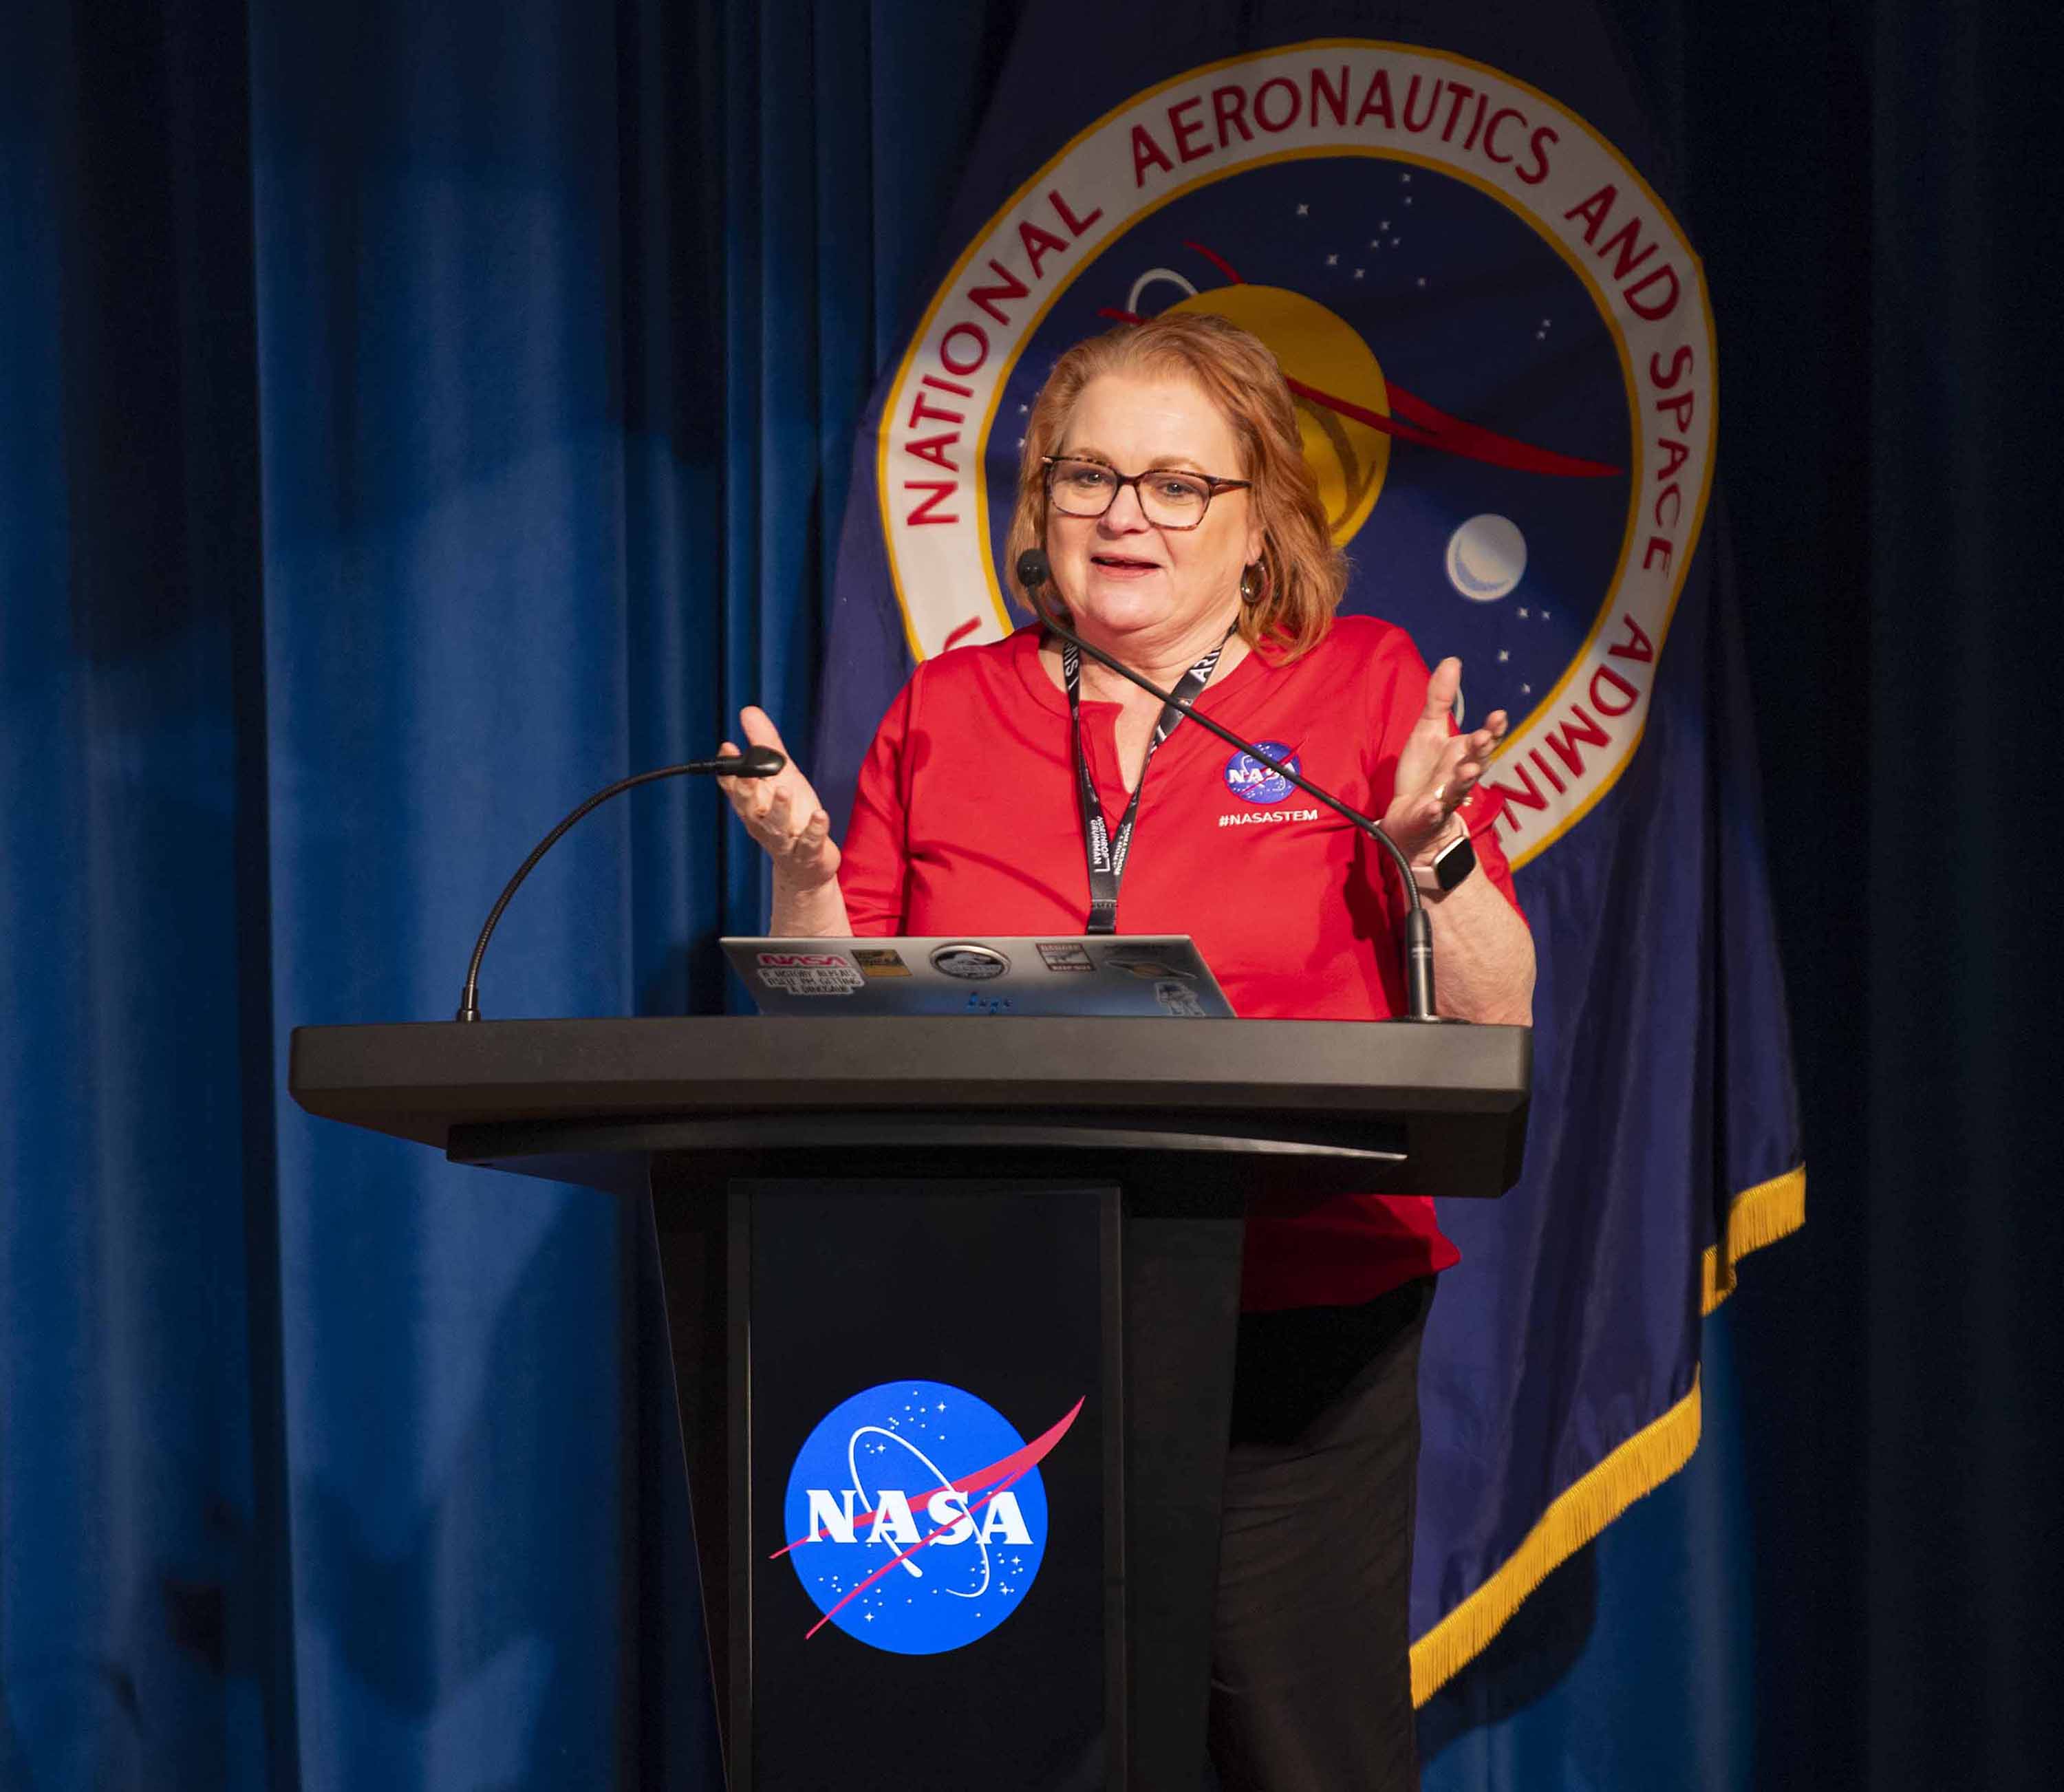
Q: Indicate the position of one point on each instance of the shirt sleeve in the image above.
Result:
(875, 858)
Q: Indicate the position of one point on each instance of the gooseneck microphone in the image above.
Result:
(755, 761)
(1033, 574)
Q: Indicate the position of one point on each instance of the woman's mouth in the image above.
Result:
(1123, 565)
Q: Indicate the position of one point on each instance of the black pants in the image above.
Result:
(1311, 1669)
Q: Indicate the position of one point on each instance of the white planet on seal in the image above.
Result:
(1485, 557)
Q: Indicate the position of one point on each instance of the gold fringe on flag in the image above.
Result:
(1757, 1217)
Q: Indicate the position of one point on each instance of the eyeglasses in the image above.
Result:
(1168, 499)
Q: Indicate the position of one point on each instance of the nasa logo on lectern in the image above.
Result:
(917, 1517)
(1496, 339)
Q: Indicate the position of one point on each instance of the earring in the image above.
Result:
(1250, 587)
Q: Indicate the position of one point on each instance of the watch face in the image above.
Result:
(1455, 863)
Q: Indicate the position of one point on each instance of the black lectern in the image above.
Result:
(953, 1306)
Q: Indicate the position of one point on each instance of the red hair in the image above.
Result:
(1297, 583)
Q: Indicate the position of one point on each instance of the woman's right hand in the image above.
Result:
(783, 813)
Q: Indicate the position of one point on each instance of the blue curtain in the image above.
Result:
(414, 415)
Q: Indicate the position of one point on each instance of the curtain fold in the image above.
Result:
(417, 417)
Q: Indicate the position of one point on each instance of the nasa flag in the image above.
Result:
(1451, 225)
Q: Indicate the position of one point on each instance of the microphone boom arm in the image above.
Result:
(755, 761)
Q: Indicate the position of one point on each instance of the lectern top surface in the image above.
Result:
(415, 1080)
(1397, 1107)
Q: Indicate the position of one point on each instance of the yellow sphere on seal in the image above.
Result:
(1320, 350)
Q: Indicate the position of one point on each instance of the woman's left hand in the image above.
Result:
(1438, 770)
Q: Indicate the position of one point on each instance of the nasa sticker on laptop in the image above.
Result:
(963, 959)
(809, 973)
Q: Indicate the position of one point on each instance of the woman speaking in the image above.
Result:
(1163, 480)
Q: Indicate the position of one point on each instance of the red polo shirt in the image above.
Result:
(965, 821)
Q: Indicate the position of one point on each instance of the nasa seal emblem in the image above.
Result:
(1496, 336)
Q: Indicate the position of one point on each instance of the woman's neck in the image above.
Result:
(1163, 658)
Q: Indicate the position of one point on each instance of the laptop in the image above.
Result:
(1135, 974)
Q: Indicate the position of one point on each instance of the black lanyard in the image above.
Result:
(1105, 851)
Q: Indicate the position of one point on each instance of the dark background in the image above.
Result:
(293, 1437)
(1871, 186)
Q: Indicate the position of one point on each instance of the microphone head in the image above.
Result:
(1032, 571)
(757, 762)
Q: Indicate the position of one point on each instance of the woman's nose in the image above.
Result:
(1126, 517)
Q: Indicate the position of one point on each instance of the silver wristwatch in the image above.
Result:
(1451, 864)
